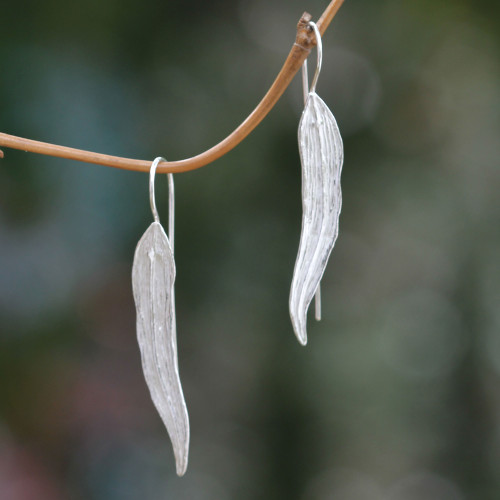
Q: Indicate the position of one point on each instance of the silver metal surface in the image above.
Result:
(153, 276)
(322, 156)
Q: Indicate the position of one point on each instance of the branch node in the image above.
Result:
(304, 31)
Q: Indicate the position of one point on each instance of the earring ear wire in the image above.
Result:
(171, 199)
(319, 52)
(306, 91)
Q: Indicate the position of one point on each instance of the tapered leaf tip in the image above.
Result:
(181, 466)
(302, 340)
(300, 331)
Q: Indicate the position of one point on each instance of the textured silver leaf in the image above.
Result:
(153, 275)
(322, 155)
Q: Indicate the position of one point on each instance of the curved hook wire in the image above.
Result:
(171, 204)
(152, 201)
(319, 47)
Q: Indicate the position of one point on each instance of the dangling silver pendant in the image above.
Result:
(322, 156)
(153, 276)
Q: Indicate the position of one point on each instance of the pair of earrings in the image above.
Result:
(153, 271)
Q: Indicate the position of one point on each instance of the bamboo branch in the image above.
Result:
(299, 52)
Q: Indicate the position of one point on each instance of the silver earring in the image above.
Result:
(153, 276)
(322, 156)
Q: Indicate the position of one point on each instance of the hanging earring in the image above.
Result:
(153, 275)
(322, 156)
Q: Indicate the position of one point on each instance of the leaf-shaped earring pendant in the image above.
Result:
(153, 276)
(322, 156)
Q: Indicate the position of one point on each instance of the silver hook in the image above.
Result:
(171, 204)
(319, 48)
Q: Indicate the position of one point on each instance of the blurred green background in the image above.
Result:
(396, 396)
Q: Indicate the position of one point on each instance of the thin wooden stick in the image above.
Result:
(299, 52)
